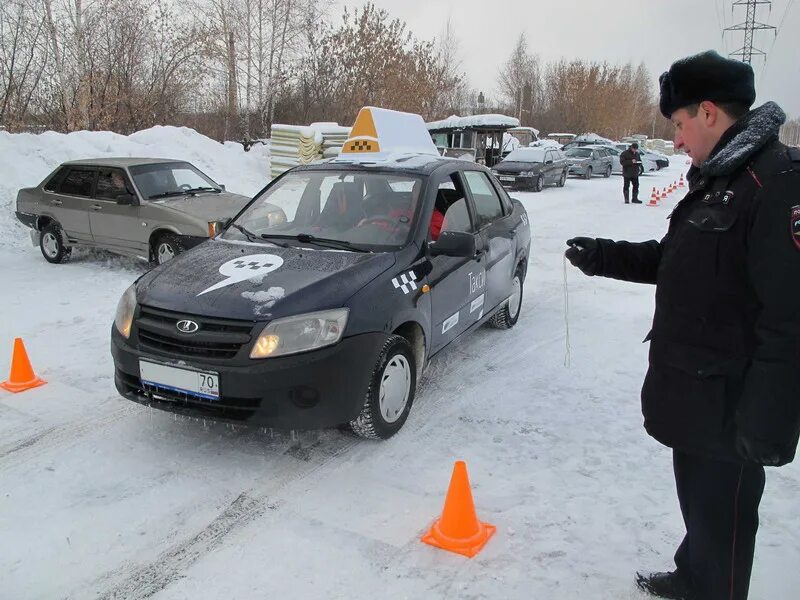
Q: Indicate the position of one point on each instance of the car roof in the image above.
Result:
(417, 164)
(122, 161)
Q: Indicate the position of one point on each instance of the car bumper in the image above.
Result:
(26, 219)
(516, 181)
(577, 169)
(316, 389)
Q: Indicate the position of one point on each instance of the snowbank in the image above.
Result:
(25, 159)
(490, 120)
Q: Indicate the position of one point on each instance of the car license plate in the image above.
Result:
(204, 384)
(507, 178)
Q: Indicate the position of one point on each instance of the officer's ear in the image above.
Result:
(709, 113)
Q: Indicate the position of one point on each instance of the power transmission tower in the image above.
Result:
(750, 26)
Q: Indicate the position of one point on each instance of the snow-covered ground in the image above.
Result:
(102, 498)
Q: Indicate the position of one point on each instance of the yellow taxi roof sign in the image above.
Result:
(379, 133)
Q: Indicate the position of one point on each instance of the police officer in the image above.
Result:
(631, 162)
(723, 384)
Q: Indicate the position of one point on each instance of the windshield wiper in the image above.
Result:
(203, 189)
(249, 234)
(307, 238)
(167, 194)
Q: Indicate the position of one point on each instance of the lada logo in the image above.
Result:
(187, 326)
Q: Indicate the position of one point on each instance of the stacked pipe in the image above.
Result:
(294, 145)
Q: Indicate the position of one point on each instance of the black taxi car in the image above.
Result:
(329, 317)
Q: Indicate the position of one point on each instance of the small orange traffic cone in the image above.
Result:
(458, 530)
(22, 376)
(653, 198)
(681, 183)
(664, 194)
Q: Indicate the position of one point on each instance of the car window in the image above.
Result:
(52, 184)
(78, 182)
(111, 184)
(451, 201)
(367, 209)
(170, 180)
(487, 202)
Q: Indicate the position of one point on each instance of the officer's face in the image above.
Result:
(697, 134)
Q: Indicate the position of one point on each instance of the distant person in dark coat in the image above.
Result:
(631, 163)
(723, 385)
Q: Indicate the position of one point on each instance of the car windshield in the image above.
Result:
(171, 180)
(579, 152)
(349, 210)
(526, 155)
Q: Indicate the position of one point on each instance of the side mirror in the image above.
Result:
(221, 186)
(126, 199)
(549, 161)
(454, 243)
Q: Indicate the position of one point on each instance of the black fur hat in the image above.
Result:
(706, 76)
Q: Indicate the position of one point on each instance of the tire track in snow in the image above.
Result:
(22, 452)
(137, 583)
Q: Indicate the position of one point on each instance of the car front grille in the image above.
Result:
(157, 332)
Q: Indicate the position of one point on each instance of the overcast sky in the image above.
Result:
(654, 31)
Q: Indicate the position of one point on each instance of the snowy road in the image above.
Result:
(101, 498)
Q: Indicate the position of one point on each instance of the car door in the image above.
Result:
(551, 172)
(69, 205)
(114, 212)
(493, 284)
(455, 282)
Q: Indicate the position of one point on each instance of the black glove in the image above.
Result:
(767, 454)
(585, 254)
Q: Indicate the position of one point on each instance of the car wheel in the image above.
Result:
(588, 173)
(52, 244)
(563, 179)
(390, 393)
(607, 174)
(507, 316)
(166, 246)
(538, 185)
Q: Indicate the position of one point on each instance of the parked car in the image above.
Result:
(648, 164)
(651, 161)
(532, 169)
(586, 162)
(330, 317)
(154, 208)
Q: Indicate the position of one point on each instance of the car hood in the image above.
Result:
(513, 166)
(207, 206)
(249, 281)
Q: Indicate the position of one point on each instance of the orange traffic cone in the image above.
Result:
(22, 376)
(653, 198)
(664, 194)
(458, 530)
(681, 183)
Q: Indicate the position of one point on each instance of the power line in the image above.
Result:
(749, 27)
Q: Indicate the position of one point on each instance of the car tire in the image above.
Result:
(607, 174)
(562, 180)
(52, 243)
(588, 173)
(395, 375)
(508, 315)
(165, 247)
(538, 185)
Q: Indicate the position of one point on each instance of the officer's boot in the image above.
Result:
(625, 193)
(665, 585)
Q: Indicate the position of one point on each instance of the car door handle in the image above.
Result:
(56, 202)
(96, 207)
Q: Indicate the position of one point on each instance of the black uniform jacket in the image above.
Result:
(725, 341)
(630, 162)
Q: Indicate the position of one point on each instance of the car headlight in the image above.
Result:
(300, 333)
(276, 217)
(125, 309)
